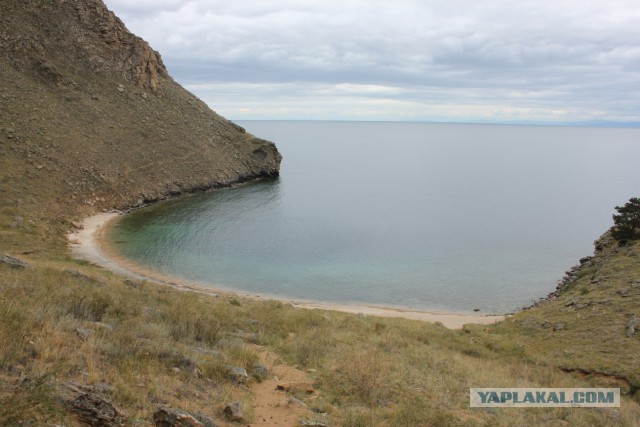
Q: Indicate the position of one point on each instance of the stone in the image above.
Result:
(167, 417)
(14, 262)
(92, 409)
(260, 372)
(238, 375)
(558, 326)
(135, 284)
(312, 423)
(84, 333)
(631, 325)
(233, 411)
(292, 401)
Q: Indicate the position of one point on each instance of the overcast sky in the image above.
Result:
(427, 60)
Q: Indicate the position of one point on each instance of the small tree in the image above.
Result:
(626, 224)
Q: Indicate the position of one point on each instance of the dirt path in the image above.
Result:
(274, 401)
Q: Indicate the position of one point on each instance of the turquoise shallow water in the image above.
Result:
(428, 216)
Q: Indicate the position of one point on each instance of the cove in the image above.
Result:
(447, 217)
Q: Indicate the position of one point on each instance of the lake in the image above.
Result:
(449, 217)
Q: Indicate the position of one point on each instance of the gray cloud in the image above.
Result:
(416, 60)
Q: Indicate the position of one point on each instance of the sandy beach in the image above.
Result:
(88, 243)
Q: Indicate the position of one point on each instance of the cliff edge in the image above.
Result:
(90, 118)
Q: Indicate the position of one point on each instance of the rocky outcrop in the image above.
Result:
(90, 118)
(89, 405)
(14, 262)
(98, 40)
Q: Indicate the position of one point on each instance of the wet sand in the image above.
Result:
(89, 243)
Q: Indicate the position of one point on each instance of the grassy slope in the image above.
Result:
(121, 147)
(367, 371)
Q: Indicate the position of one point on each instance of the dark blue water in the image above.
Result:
(429, 216)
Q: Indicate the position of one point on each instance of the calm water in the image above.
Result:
(429, 216)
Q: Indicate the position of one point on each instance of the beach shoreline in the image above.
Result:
(88, 242)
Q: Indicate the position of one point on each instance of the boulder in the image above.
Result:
(233, 411)
(238, 375)
(167, 417)
(90, 407)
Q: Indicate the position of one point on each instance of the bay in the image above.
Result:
(429, 216)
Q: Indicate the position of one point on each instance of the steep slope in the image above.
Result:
(90, 118)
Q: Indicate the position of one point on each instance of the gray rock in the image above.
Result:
(558, 326)
(312, 423)
(166, 417)
(260, 372)
(84, 333)
(631, 325)
(238, 375)
(133, 283)
(14, 262)
(233, 411)
(293, 401)
(92, 409)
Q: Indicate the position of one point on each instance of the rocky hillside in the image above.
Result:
(90, 118)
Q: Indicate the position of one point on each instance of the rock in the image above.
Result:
(572, 301)
(260, 372)
(238, 375)
(558, 326)
(89, 406)
(84, 333)
(292, 401)
(14, 262)
(233, 411)
(312, 423)
(135, 284)
(80, 275)
(631, 325)
(196, 372)
(166, 417)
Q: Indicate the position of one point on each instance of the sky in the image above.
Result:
(538, 61)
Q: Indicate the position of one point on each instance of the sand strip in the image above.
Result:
(88, 243)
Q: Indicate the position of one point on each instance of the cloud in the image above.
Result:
(515, 58)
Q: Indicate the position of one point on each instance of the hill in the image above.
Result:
(90, 120)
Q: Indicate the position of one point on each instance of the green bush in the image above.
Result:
(627, 221)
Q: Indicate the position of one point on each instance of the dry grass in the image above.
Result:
(155, 346)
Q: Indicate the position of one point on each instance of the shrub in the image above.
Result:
(627, 221)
